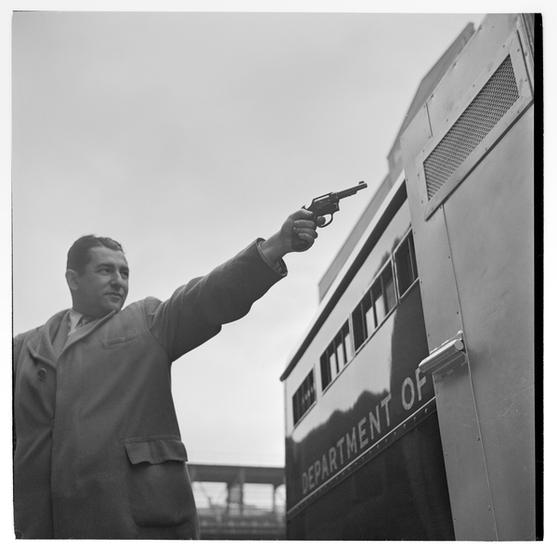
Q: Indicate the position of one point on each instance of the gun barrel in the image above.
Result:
(351, 190)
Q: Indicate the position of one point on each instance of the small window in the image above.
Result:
(378, 302)
(383, 294)
(405, 258)
(332, 355)
(362, 321)
(325, 372)
(369, 315)
(341, 356)
(347, 342)
(304, 397)
(388, 287)
(358, 323)
(336, 356)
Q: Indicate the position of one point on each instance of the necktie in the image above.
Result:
(83, 321)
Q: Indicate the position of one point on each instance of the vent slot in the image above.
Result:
(495, 99)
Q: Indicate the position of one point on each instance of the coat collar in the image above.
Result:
(81, 332)
(41, 347)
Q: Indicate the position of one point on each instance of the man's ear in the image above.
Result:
(71, 279)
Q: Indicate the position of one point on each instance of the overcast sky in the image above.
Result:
(185, 136)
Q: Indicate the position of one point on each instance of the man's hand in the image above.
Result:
(297, 234)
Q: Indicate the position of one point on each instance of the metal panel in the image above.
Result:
(478, 121)
(400, 494)
(482, 47)
(471, 503)
(377, 398)
(492, 102)
(483, 227)
(493, 261)
(458, 423)
(526, 27)
(433, 255)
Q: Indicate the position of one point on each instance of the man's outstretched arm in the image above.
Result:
(196, 311)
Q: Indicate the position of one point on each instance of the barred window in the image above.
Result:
(325, 372)
(336, 356)
(304, 397)
(405, 261)
(383, 294)
(378, 302)
(388, 284)
(347, 342)
(375, 305)
(362, 321)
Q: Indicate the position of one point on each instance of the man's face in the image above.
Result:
(103, 285)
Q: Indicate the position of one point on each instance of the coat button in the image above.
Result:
(42, 374)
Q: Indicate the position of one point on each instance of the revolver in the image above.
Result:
(328, 204)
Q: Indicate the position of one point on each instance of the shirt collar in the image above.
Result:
(74, 318)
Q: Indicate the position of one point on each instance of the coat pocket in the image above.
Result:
(116, 341)
(159, 489)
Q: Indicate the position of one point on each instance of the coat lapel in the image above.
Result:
(41, 348)
(84, 331)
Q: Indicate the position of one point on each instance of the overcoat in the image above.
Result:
(97, 448)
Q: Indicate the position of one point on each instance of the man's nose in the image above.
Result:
(117, 279)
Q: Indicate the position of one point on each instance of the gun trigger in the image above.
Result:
(327, 223)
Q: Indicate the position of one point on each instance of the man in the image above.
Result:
(97, 450)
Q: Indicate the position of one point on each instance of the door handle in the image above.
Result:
(443, 354)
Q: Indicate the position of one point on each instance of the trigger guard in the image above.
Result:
(327, 222)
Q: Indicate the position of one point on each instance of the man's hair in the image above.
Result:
(78, 254)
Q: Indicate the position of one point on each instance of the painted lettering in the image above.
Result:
(351, 443)
(339, 447)
(305, 483)
(362, 433)
(324, 466)
(374, 422)
(385, 404)
(333, 459)
(420, 382)
(317, 468)
(407, 385)
(359, 436)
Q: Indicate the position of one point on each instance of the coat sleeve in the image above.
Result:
(197, 310)
(17, 346)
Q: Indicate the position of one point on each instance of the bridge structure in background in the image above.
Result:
(239, 502)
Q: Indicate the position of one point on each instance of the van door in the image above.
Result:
(469, 163)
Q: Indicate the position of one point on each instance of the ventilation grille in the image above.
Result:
(487, 108)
